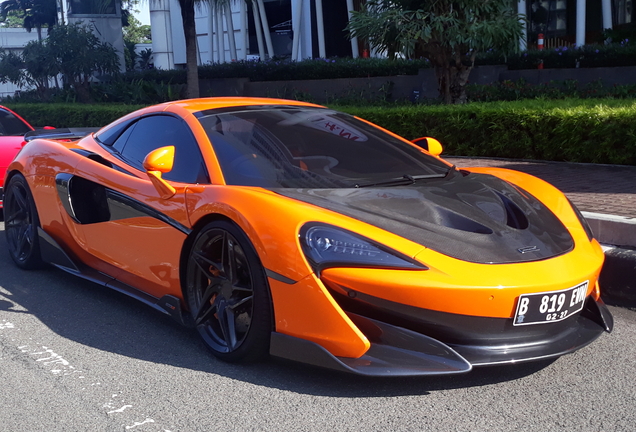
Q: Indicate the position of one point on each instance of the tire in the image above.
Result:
(21, 224)
(228, 294)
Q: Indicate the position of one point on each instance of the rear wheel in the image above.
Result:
(227, 293)
(21, 224)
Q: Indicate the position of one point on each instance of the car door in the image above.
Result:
(123, 219)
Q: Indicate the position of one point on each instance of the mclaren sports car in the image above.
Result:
(283, 228)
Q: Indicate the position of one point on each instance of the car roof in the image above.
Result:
(202, 104)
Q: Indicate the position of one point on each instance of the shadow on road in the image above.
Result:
(107, 320)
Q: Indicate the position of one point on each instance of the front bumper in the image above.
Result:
(398, 351)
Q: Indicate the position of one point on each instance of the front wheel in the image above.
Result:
(21, 224)
(228, 294)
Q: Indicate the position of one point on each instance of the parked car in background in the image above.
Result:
(286, 228)
(12, 130)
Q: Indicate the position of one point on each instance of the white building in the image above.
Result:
(321, 30)
(318, 27)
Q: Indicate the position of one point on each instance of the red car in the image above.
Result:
(12, 130)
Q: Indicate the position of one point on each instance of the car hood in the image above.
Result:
(472, 217)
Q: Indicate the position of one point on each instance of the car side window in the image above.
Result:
(10, 125)
(150, 133)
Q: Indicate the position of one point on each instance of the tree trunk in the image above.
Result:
(192, 68)
(82, 91)
(451, 81)
(459, 79)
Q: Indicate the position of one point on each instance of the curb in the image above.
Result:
(617, 235)
(612, 229)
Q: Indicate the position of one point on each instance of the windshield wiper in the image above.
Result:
(399, 181)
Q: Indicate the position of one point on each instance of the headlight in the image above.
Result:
(586, 226)
(329, 246)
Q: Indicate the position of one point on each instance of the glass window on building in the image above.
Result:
(623, 11)
(93, 7)
(548, 17)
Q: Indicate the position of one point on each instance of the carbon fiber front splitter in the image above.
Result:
(396, 351)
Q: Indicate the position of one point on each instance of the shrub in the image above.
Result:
(62, 115)
(622, 53)
(568, 130)
(517, 90)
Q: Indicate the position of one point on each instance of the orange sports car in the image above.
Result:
(286, 228)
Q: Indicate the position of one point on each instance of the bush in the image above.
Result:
(622, 53)
(568, 130)
(287, 70)
(62, 115)
(517, 90)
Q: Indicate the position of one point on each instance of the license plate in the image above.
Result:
(549, 307)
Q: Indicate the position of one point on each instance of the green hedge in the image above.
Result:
(62, 115)
(567, 130)
(598, 131)
(588, 56)
(287, 70)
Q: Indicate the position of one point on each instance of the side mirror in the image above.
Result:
(160, 161)
(429, 144)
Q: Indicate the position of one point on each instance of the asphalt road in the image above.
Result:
(77, 357)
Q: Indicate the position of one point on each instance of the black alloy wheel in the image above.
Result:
(21, 224)
(228, 295)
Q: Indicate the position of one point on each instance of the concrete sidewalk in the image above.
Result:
(606, 195)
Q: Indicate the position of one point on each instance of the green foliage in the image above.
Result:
(14, 19)
(79, 54)
(72, 51)
(449, 33)
(569, 130)
(430, 28)
(287, 70)
(70, 114)
(40, 62)
(137, 92)
(11, 66)
(622, 53)
(145, 58)
(621, 33)
(509, 91)
(135, 32)
(35, 13)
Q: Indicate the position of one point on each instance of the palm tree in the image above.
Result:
(36, 13)
(192, 71)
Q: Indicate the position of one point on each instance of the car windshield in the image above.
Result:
(306, 147)
(10, 125)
